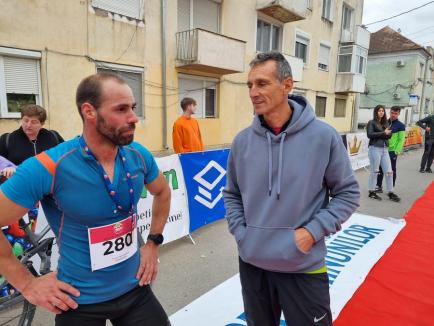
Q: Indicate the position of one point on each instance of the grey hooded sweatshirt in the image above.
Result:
(278, 183)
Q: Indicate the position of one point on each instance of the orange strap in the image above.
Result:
(47, 162)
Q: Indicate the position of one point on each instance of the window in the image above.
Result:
(20, 82)
(352, 59)
(320, 106)
(128, 8)
(427, 101)
(267, 36)
(340, 107)
(324, 57)
(302, 47)
(327, 10)
(347, 23)
(203, 14)
(203, 90)
(422, 70)
(133, 77)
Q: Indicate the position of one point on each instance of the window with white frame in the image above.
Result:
(203, 90)
(340, 107)
(128, 8)
(352, 59)
(324, 57)
(327, 9)
(133, 76)
(20, 81)
(347, 22)
(204, 14)
(302, 47)
(320, 106)
(267, 36)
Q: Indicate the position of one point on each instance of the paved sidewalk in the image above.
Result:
(187, 271)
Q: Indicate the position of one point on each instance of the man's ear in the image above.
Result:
(88, 111)
(288, 83)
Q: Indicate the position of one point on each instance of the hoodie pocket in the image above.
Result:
(272, 249)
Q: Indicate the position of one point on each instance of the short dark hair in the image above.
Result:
(395, 108)
(186, 101)
(89, 90)
(34, 110)
(283, 69)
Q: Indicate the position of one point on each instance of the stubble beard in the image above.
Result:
(114, 135)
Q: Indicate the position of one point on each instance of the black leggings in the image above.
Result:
(138, 307)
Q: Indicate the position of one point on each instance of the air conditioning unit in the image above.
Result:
(400, 63)
(396, 96)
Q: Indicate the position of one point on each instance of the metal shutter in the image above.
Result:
(21, 75)
(183, 15)
(129, 8)
(206, 15)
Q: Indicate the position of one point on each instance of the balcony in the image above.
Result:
(209, 52)
(357, 35)
(285, 11)
(350, 83)
(296, 67)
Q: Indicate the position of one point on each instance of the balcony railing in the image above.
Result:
(357, 35)
(206, 51)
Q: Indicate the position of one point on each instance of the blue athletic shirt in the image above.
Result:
(75, 199)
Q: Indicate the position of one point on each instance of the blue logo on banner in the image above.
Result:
(205, 178)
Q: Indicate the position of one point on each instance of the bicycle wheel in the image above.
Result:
(15, 310)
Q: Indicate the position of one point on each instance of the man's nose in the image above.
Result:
(133, 117)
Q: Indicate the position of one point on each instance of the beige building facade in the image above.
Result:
(169, 49)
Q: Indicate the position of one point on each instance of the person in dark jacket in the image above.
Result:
(379, 133)
(427, 123)
(31, 138)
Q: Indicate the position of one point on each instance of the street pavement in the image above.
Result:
(187, 271)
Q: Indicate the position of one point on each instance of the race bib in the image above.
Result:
(111, 244)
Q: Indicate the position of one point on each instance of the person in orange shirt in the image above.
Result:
(186, 132)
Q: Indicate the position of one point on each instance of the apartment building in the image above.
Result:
(169, 49)
(400, 73)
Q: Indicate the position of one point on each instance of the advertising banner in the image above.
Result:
(178, 222)
(357, 148)
(413, 137)
(351, 253)
(205, 178)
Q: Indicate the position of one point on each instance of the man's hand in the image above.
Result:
(8, 172)
(388, 131)
(50, 293)
(303, 240)
(427, 129)
(148, 263)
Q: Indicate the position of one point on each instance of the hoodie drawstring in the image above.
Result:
(270, 163)
(279, 171)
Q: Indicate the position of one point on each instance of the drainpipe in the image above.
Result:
(164, 71)
(355, 121)
(422, 97)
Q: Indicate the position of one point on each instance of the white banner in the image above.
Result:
(178, 222)
(357, 147)
(352, 252)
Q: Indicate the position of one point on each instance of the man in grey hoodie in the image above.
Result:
(289, 185)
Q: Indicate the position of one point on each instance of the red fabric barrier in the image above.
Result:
(399, 290)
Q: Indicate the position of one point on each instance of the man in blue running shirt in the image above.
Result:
(89, 187)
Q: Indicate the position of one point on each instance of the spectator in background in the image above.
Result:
(396, 144)
(379, 133)
(25, 142)
(186, 132)
(427, 123)
(31, 138)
